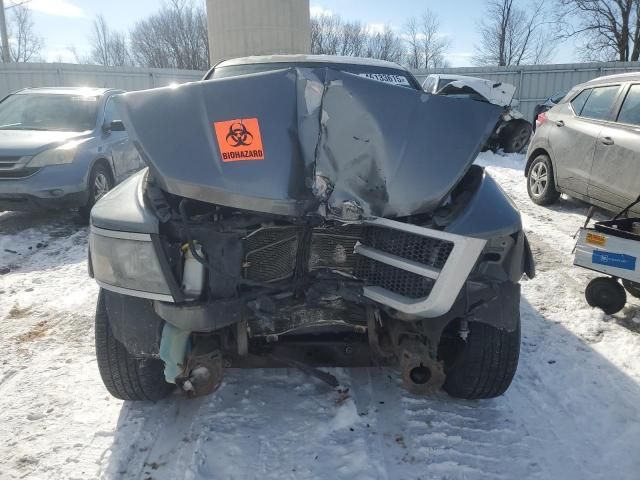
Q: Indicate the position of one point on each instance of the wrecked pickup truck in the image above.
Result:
(513, 132)
(307, 211)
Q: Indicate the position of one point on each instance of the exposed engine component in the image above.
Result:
(192, 273)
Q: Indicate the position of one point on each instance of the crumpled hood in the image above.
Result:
(498, 93)
(288, 142)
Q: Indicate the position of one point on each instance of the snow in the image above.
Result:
(571, 413)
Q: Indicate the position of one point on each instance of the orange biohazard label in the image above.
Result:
(239, 139)
(596, 239)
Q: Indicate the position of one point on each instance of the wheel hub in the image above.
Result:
(538, 179)
(100, 186)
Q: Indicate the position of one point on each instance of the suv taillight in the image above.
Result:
(541, 118)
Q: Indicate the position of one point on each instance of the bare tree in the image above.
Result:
(385, 45)
(426, 46)
(175, 37)
(609, 29)
(331, 35)
(108, 47)
(510, 35)
(25, 43)
(353, 39)
(326, 34)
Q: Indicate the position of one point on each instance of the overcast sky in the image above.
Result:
(63, 23)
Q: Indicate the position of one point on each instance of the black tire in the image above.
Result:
(99, 174)
(541, 185)
(486, 363)
(515, 136)
(606, 294)
(126, 377)
(632, 287)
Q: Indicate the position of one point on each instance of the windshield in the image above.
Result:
(383, 74)
(38, 111)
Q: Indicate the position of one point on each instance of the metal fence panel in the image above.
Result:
(14, 76)
(535, 83)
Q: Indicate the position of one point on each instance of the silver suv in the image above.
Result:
(588, 146)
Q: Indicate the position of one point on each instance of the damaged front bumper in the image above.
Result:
(131, 264)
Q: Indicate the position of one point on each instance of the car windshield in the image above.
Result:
(40, 111)
(382, 74)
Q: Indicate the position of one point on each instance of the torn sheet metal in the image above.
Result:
(298, 141)
(498, 93)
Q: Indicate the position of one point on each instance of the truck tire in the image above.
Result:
(541, 185)
(100, 182)
(515, 136)
(126, 377)
(485, 365)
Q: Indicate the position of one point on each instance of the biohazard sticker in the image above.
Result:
(596, 239)
(239, 139)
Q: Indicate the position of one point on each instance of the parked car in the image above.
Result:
(61, 148)
(588, 146)
(513, 132)
(296, 212)
(552, 101)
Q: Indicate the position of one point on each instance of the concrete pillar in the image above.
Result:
(240, 28)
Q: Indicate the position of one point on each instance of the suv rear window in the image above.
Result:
(630, 111)
(599, 103)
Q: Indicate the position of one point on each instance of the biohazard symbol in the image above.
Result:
(239, 136)
(239, 139)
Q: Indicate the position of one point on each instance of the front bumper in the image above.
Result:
(52, 187)
(454, 256)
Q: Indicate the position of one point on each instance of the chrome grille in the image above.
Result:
(428, 251)
(271, 254)
(396, 280)
(332, 248)
(8, 162)
(18, 173)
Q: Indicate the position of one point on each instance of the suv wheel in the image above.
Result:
(125, 376)
(100, 183)
(540, 184)
(485, 364)
(515, 136)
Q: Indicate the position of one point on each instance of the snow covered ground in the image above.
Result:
(573, 411)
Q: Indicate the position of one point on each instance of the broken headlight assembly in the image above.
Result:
(127, 263)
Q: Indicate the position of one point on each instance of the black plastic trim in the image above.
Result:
(174, 288)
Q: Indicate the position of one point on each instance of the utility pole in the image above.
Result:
(5, 37)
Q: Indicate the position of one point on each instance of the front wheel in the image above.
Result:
(485, 364)
(100, 182)
(125, 376)
(540, 183)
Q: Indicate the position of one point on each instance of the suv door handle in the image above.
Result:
(607, 141)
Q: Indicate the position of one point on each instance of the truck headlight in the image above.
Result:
(55, 156)
(127, 263)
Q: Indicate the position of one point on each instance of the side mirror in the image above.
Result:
(114, 126)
